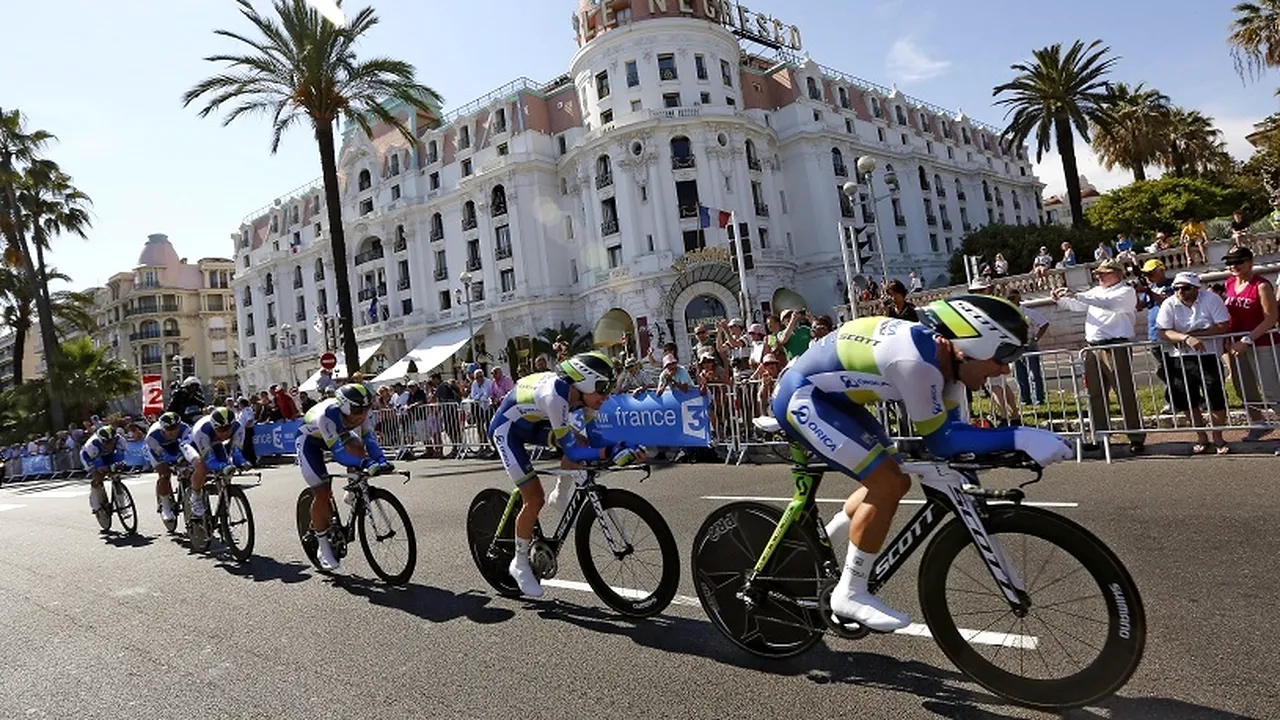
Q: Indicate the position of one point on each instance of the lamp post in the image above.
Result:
(867, 166)
(177, 368)
(286, 333)
(464, 297)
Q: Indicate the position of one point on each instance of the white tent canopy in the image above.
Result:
(434, 349)
(340, 370)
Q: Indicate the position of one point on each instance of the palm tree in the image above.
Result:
(1193, 146)
(570, 333)
(96, 378)
(71, 310)
(1134, 132)
(1255, 37)
(304, 68)
(1053, 94)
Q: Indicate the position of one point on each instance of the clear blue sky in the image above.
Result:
(106, 77)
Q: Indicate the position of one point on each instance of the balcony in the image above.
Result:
(173, 332)
(216, 304)
(841, 170)
(987, 196)
(170, 307)
(932, 220)
(400, 246)
(473, 264)
(247, 302)
(688, 211)
(300, 316)
(297, 283)
(762, 209)
(468, 223)
(604, 180)
(368, 255)
(503, 252)
(441, 274)
(1000, 202)
(609, 227)
(149, 360)
(946, 225)
(248, 331)
(365, 294)
(437, 234)
(960, 195)
(271, 322)
(900, 221)
(499, 208)
(269, 291)
(683, 162)
(322, 309)
(753, 163)
(403, 284)
(135, 337)
(942, 192)
(924, 187)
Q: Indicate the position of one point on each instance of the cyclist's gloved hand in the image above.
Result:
(368, 465)
(119, 467)
(1043, 446)
(214, 466)
(385, 468)
(623, 455)
(238, 459)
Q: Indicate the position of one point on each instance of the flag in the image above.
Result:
(710, 216)
(373, 310)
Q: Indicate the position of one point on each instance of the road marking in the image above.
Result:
(83, 490)
(906, 501)
(1024, 642)
(4, 507)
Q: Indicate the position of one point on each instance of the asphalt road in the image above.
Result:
(102, 626)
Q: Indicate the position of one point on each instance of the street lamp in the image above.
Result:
(465, 298)
(867, 166)
(177, 368)
(286, 332)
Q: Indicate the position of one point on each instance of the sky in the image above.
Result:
(107, 79)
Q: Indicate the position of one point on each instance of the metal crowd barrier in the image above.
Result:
(1157, 391)
(436, 430)
(57, 465)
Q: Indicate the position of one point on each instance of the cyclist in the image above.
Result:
(536, 411)
(206, 450)
(338, 425)
(165, 439)
(103, 452)
(959, 343)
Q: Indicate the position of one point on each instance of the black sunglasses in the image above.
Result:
(1007, 353)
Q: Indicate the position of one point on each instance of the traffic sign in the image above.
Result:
(328, 361)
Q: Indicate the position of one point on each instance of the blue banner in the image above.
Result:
(673, 419)
(277, 438)
(136, 454)
(37, 465)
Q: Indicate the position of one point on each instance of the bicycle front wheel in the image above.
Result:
(491, 551)
(634, 548)
(235, 522)
(1083, 634)
(386, 535)
(779, 616)
(122, 504)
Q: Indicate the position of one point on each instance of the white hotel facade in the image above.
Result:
(576, 201)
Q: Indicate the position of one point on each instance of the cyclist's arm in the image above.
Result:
(156, 448)
(563, 436)
(332, 436)
(924, 393)
(371, 446)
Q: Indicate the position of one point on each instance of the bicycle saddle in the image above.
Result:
(767, 424)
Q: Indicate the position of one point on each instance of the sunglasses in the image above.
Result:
(1185, 288)
(1235, 263)
(1007, 353)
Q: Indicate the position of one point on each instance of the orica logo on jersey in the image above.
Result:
(801, 414)
(933, 398)
(853, 382)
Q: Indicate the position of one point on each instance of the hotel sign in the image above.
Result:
(735, 16)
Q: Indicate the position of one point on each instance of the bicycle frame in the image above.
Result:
(588, 490)
(946, 490)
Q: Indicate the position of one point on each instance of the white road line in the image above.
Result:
(906, 501)
(4, 507)
(83, 490)
(1024, 642)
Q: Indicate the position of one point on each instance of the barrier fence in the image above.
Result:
(1135, 389)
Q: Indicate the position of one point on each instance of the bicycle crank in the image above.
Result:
(847, 629)
(543, 560)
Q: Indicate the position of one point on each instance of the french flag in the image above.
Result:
(710, 216)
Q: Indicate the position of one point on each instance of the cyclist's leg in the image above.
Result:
(510, 440)
(163, 474)
(310, 453)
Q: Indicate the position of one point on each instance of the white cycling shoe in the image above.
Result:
(324, 554)
(522, 573)
(97, 498)
(566, 485)
(197, 504)
(867, 610)
(166, 510)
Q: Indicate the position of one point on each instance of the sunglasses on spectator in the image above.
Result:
(1185, 288)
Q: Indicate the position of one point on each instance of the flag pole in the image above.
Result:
(742, 265)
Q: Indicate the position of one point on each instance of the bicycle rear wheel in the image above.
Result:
(122, 504)
(392, 536)
(106, 511)
(235, 522)
(492, 555)
(785, 619)
(643, 558)
(1090, 613)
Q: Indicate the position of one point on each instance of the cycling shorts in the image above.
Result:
(843, 433)
(310, 452)
(510, 439)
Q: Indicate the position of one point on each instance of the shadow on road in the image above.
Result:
(944, 692)
(116, 539)
(431, 604)
(259, 568)
(28, 487)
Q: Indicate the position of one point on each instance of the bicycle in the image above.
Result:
(368, 509)
(491, 537)
(768, 588)
(119, 504)
(232, 517)
(179, 480)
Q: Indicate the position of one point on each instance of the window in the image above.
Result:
(446, 300)
(561, 147)
(637, 106)
(951, 153)
(363, 182)
(502, 242)
(700, 67)
(817, 116)
(609, 215)
(705, 98)
(782, 200)
(730, 100)
(473, 254)
(814, 92)
(568, 227)
(433, 152)
(395, 194)
(503, 150)
(395, 170)
(667, 67)
(469, 215)
(602, 85)
(843, 96)
(573, 271)
(433, 181)
(402, 274)
(902, 116)
(498, 201)
(366, 206)
(633, 74)
(904, 138)
(694, 240)
(606, 117)
(466, 167)
(928, 146)
(507, 280)
(876, 109)
(396, 165)
(464, 137)
(902, 243)
(671, 100)
(318, 229)
(649, 242)
(644, 193)
(950, 245)
(406, 307)
(837, 163)
(880, 134)
(253, 347)
(726, 73)
(933, 242)
(442, 265)
(848, 126)
(437, 227)
(764, 238)
(322, 302)
(615, 256)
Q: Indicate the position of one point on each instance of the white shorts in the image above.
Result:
(311, 461)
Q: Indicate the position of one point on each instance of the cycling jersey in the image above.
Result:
(163, 450)
(324, 427)
(96, 456)
(536, 411)
(821, 397)
(203, 444)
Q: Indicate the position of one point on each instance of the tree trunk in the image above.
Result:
(20, 330)
(1067, 149)
(1139, 173)
(49, 342)
(338, 246)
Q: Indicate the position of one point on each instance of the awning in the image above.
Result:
(340, 370)
(434, 349)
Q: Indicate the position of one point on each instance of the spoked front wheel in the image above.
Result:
(493, 551)
(386, 534)
(628, 555)
(778, 615)
(122, 505)
(1080, 640)
(235, 522)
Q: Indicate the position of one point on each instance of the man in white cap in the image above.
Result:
(1183, 321)
(673, 374)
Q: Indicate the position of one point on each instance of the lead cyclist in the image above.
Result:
(959, 343)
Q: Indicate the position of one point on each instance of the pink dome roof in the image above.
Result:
(158, 251)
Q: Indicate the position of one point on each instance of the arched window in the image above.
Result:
(433, 151)
(171, 328)
(924, 179)
(364, 181)
(814, 92)
(297, 276)
(604, 172)
(469, 215)
(937, 182)
(395, 164)
(248, 297)
(837, 163)
(319, 269)
(149, 329)
(751, 153)
(844, 97)
(986, 191)
(400, 236)
(437, 226)
(498, 201)
(959, 189)
(270, 284)
(681, 152)
(295, 214)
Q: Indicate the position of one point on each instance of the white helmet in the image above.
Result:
(983, 327)
(590, 372)
(191, 380)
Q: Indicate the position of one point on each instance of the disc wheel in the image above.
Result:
(493, 557)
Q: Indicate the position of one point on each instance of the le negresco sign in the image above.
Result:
(739, 17)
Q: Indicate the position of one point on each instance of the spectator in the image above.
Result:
(325, 382)
(1161, 243)
(1068, 255)
(1102, 253)
(822, 326)
(705, 343)
(481, 403)
(305, 402)
(767, 375)
(284, 403)
(732, 343)
(540, 364)
(917, 282)
(188, 401)
(1110, 313)
(796, 333)
(761, 343)
(1125, 253)
(1027, 370)
(1001, 266)
(244, 414)
(1255, 364)
(500, 385)
(630, 379)
(1042, 263)
(1239, 232)
(896, 305)
(673, 375)
(1184, 321)
(1153, 288)
(1194, 241)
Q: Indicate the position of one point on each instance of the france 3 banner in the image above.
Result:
(277, 438)
(673, 419)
